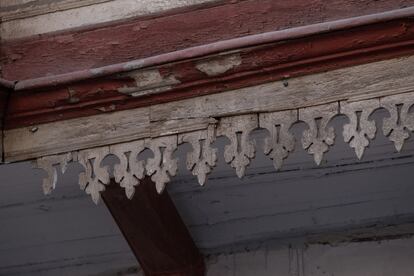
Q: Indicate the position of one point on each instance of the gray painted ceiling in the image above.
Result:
(65, 232)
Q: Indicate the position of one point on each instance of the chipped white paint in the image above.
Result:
(129, 171)
(160, 128)
(360, 129)
(203, 157)
(399, 125)
(219, 65)
(48, 164)
(317, 139)
(162, 165)
(241, 149)
(369, 80)
(281, 141)
(353, 83)
(95, 177)
(148, 82)
(61, 16)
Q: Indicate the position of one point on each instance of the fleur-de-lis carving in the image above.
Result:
(241, 150)
(162, 165)
(360, 129)
(95, 177)
(281, 141)
(317, 139)
(203, 158)
(398, 126)
(129, 171)
(48, 164)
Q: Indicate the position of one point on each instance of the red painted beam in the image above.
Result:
(154, 231)
(144, 37)
(260, 64)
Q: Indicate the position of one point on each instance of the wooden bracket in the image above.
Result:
(154, 231)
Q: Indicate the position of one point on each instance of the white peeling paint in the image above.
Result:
(219, 66)
(149, 82)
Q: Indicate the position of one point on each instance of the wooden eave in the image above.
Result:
(212, 68)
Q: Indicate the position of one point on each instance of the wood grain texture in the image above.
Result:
(155, 231)
(99, 46)
(364, 81)
(208, 75)
(45, 16)
(78, 133)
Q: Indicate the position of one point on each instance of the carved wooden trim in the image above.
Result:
(281, 142)
(95, 177)
(351, 84)
(316, 139)
(162, 165)
(360, 129)
(48, 164)
(129, 171)
(241, 149)
(400, 123)
(203, 157)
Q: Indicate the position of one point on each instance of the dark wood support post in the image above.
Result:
(155, 231)
(4, 95)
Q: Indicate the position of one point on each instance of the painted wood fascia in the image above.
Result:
(356, 83)
(42, 17)
(354, 92)
(121, 42)
(33, 104)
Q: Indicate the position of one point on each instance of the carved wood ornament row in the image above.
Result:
(316, 140)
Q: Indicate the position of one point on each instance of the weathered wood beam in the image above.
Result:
(154, 230)
(175, 76)
(367, 81)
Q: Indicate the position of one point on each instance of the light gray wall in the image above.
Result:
(393, 257)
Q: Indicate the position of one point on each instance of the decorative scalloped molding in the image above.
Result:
(203, 157)
(316, 140)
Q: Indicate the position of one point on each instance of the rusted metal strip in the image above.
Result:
(213, 48)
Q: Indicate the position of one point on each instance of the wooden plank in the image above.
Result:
(84, 49)
(224, 72)
(154, 231)
(203, 76)
(363, 81)
(359, 82)
(89, 132)
(44, 16)
(80, 133)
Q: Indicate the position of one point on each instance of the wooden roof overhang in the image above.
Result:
(146, 94)
(271, 79)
